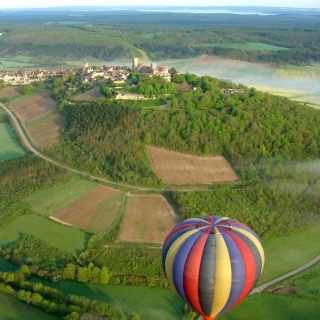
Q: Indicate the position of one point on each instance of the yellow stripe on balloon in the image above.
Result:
(223, 275)
(171, 254)
(254, 239)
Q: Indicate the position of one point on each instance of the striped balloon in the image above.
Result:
(212, 262)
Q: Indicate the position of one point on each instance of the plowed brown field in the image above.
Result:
(183, 169)
(39, 114)
(92, 94)
(34, 106)
(94, 211)
(148, 218)
(10, 92)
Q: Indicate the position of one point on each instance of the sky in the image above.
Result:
(55, 3)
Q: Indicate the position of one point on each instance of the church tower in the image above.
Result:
(135, 63)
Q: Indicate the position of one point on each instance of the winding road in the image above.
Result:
(21, 132)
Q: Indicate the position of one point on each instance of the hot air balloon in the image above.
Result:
(212, 262)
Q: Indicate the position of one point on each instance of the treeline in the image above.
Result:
(65, 51)
(270, 208)
(51, 300)
(22, 176)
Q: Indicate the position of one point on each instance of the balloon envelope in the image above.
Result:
(212, 262)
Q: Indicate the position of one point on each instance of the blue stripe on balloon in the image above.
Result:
(207, 274)
(180, 261)
(238, 271)
(170, 241)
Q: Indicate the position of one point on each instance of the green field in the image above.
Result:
(10, 147)
(245, 46)
(14, 309)
(286, 253)
(49, 201)
(274, 307)
(15, 63)
(7, 266)
(149, 303)
(54, 234)
(305, 284)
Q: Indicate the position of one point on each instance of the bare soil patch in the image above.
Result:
(183, 169)
(92, 94)
(148, 218)
(39, 115)
(34, 106)
(47, 132)
(10, 92)
(283, 290)
(94, 211)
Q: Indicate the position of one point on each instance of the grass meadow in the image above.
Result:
(285, 253)
(14, 309)
(149, 303)
(10, 147)
(15, 63)
(54, 234)
(7, 266)
(267, 306)
(49, 201)
(305, 284)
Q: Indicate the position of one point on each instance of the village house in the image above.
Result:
(117, 74)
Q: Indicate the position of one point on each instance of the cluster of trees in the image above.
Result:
(43, 260)
(89, 274)
(155, 86)
(63, 88)
(51, 300)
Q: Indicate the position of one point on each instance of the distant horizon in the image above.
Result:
(37, 4)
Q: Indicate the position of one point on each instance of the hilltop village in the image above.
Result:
(117, 74)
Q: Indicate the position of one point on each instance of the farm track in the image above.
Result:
(21, 132)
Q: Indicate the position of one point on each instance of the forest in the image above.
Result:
(52, 37)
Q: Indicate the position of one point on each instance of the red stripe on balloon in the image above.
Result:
(249, 267)
(177, 228)
(192, 270)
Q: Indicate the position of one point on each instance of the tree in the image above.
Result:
(134, 77)
(104, 275)
(69, 271)
(147, 138)
(106, 91)
(83, 274)
(27, 89)
(25, 271)
(36, 298)
(178, 78)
